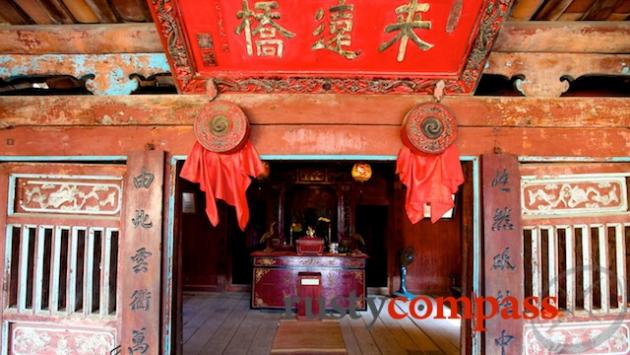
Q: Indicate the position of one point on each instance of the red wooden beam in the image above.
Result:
(315, 140)
(313, 124)
(177, 110)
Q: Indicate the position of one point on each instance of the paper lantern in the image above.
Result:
(361, 172)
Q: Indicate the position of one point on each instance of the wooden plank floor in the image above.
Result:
(222, 323)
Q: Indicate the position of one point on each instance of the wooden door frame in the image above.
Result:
(170, 294)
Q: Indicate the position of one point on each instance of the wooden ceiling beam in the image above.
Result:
(553, 9)
(38, 11)
(564, 37)
(132, 10)
(59, 10)
(81, 11)
(80, 39)
(585, 37)
(11, 13)
(601, 10)
(102, 10)
(524, 10)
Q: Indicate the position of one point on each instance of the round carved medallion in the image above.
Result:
(429, 128)
(221, 127)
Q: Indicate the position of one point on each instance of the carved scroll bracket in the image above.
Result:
(548, 76)
(111, 72)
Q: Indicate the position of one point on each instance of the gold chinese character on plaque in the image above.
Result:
(339, 28)
(265, 34)
(409, 18)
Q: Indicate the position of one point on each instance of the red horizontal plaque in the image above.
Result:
(357, 46)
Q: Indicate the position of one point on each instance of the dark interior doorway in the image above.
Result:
(217, 258)
(371, 222)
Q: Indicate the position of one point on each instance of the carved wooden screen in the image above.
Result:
(576, 226)
(59, 240)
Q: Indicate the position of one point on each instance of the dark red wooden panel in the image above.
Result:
(275, 276)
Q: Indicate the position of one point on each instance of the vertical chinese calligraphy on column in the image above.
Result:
(140, 300)
(339, 36)
(409, 19)
(138, 346)
(140, 262)
(267, 34)
(503, 248)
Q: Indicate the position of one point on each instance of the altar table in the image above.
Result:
(275, 276)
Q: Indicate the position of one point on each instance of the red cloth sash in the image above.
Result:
(224, 176)
(429, 179)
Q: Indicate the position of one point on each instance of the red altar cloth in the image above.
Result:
(429, 179)
(224, 176)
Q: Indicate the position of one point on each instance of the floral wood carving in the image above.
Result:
(570, 196)
(168, 24)
(49, 339)
(68, 196)
(567, 338)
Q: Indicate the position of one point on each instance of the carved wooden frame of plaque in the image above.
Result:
(168, 19)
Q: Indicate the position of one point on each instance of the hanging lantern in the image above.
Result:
(361, 172)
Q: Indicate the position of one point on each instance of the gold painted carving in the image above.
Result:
(409, 19)
(260, 273)
(339, 28)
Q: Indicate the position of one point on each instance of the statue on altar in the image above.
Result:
(271, 238)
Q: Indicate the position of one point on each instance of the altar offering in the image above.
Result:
(310, 245)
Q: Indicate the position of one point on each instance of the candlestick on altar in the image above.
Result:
(329, 234)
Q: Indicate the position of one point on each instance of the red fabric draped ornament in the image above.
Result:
(431, 179)
(429, 164)
(226, 175)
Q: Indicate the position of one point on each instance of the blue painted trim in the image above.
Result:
(476, 336)
(293, 157)
(46, 158)
(5, 338)
(544, 159)
(117, 75)
(11, 197)
(170, 232)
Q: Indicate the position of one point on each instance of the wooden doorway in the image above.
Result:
(468, 199)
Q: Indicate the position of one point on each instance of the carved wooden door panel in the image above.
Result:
(79, 264)
(60, 235)
(576, 230)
